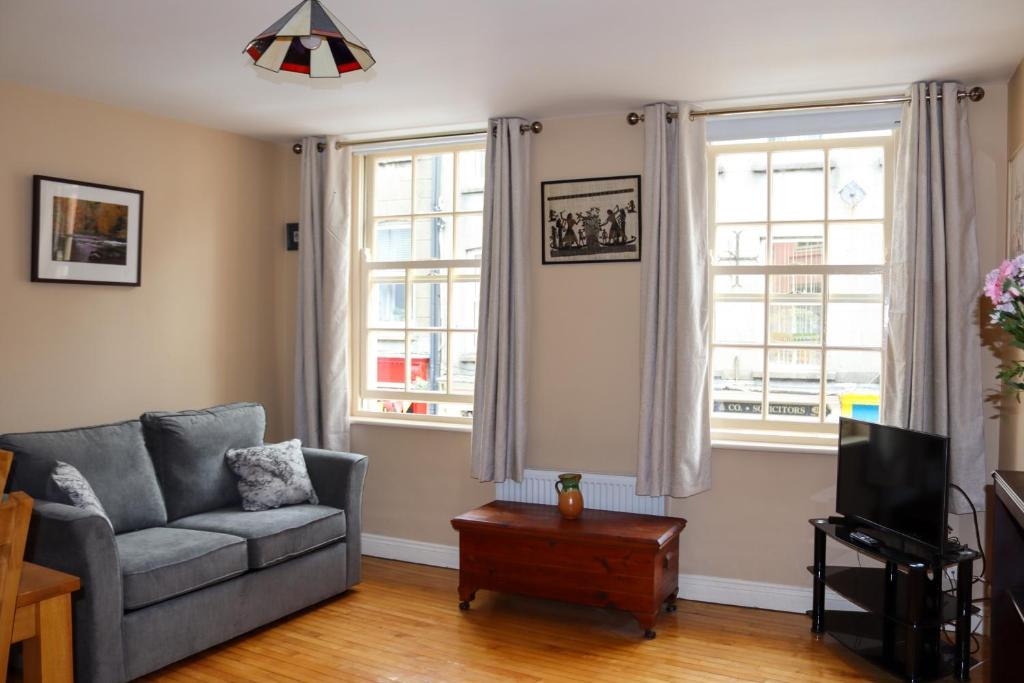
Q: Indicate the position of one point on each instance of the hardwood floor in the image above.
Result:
(403, 624)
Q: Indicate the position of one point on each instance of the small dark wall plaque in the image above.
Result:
(291, 236)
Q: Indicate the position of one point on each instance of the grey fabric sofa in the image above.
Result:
(183, 567)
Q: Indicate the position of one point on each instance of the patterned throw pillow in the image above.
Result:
(68, 486)
(272, 475)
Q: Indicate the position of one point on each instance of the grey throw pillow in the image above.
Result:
(68, 486)
(272, 475)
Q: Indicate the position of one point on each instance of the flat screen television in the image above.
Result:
(894, 479)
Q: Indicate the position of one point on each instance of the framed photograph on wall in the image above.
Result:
(1015, 206)
(85, 233)
(591, 220)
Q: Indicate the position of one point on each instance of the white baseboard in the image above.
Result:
(417, 552)
(757, 594)
(774, 596)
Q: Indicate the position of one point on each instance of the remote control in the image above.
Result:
(863, 538)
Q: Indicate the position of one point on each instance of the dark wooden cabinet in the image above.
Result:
(604, 559)
(1007, 577)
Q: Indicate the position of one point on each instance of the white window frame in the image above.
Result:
(363, 266)
(775, 433)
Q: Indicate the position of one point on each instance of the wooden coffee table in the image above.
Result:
(603, 559)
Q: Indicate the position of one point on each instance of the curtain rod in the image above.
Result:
(975, 94)
(524, 128)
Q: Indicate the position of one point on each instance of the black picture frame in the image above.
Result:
(588, 189)
(104, 269)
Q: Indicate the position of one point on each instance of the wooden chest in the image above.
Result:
(604, 559)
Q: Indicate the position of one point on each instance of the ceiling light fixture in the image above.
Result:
(309, 40)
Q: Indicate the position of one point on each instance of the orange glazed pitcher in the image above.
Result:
(570, 498)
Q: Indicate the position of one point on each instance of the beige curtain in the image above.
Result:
(674, 455)
(499, 401)
(321, 342)
(932, 365)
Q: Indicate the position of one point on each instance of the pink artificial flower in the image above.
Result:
(995, 279)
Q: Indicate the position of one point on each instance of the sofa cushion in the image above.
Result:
(188, 451)
(112, 458)
(161, 563)
(273, 535)
(68, 486)
(272, 475)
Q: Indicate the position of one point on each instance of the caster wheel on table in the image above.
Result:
(649, 634)
(464, 605)
(671, 607)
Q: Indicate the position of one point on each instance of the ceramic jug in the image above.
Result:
(570, 498)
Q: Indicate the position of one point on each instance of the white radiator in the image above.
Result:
(600, 492)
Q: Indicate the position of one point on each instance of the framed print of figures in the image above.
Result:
(1015, 206)
(85, 233)
(591, 220)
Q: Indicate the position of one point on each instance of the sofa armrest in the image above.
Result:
(338, 480)
(71, 540)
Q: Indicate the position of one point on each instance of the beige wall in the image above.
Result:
(583, 413)
(214, 320)
(198, 331)
(1011, 433)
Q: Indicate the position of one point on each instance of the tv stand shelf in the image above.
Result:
(860, 585)
(906, 606)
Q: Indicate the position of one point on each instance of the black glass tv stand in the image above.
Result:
(906, 607)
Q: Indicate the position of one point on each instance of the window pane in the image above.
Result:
(470, 195)
(739, 287)
(798, 185)
(739, 309)
(463, 362)
(794, 383)
(433, 238)
(853, 385)
(392, 240)
(740, 245)
(429, 304)
(855, 287)
(385, 360)
(428, 361)
(856, 243)
(794, 313)
(856, 183)
(794, 324)
(387, 304)
(855, 324)
(465, 305)
(469, 236)
(392, 186)
(737, 377)
(434, 182)
(739, 322)
(796, 288)
(799, 244)
(741, 187)
(419, 408)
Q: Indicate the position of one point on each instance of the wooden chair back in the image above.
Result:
(15, 514)
(6, 458)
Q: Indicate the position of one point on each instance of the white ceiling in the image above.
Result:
(451, 62)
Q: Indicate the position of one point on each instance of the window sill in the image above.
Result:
(410, 424)
(716, 444)
(762, 447)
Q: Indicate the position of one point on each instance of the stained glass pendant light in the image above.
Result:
(309, 40)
